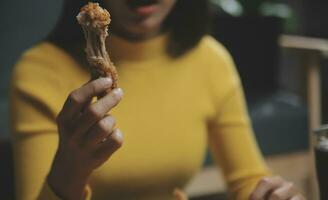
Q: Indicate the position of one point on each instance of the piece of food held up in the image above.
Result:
(94, 21)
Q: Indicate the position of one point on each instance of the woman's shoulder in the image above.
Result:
(46, 72)
(43, 49)
(44, 62)
(214, 57)
(214, 51)
(217, 64)
(210, 43)
(43, 56)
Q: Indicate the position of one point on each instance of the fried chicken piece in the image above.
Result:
(94, 21)
(179, 194)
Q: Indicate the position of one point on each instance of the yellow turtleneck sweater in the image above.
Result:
(172, 110)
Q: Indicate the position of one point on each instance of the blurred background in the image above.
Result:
(283, 74)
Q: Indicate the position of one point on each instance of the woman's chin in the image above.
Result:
(144, 30)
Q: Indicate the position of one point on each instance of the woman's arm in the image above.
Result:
(232, 141)
(39, 87)
(83, 128)
(233, 145)
(33, 157)
(33, 128)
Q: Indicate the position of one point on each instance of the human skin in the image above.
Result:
(275, 188)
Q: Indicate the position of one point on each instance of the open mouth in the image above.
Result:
(134, 4)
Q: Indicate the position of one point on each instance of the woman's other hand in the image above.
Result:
(275, 188)
(87, 137)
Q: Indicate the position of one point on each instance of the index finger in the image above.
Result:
(79, 97)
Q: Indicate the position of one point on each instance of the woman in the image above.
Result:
(181, 90)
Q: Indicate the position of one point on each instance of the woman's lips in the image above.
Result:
(146, 10)
(143, 7)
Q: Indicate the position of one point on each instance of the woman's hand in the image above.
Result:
(275, 188)
(87, 137)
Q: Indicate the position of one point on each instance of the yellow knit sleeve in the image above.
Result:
(47, 193)
(231, 137)
(37, 95)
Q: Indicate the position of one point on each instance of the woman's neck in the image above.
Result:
(136, 37)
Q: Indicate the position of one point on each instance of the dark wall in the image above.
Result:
(316, 18)
(22, 24)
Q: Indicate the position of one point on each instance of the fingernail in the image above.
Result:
(108, 81)
(118, 92)
(119, 135)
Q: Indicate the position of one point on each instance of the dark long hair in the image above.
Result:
(187, 23)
